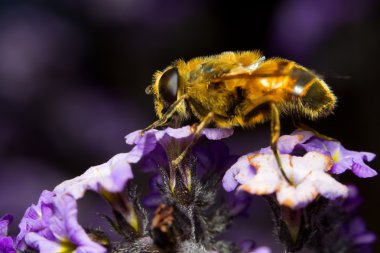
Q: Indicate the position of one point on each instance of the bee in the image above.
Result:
(239, 89)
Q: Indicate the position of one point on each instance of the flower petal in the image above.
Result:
(343, 159)
(6, 244)
(176, 133)
(4, 223)
(144, 145)
(307, 175)
(297, 196)
(110, 176)
(360, 169)
(240, 172)
(286, 143)
(217, 133)
(42, 244)
(66, 233)
(261, 250)
(36, 218)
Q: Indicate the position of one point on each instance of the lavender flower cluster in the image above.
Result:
(311, 208)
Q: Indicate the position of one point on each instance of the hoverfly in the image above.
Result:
(239, 89)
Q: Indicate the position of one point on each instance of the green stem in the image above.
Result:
(292, 218)
(121, 204)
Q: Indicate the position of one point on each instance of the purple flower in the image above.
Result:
(158, 159)
(261, 249)
(109, 180)
(355, 229)
(63, 233)
(36, 218)
(343, 159)
(6, 242)
(353, 201)
(249, 246)
(109, 177)
(154, 140)
(153, 199)
(259, 174)
(239, 204)
(212, 157)
(155, 148)
(144, 144)
(358, 235)
(4, 223)
(342, 228)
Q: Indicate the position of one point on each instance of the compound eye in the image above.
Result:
(168, 85)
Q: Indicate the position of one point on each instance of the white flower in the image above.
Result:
(308, 176)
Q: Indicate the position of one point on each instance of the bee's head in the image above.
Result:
(165, 89)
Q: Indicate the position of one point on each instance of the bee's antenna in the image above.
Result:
(340, 76)
(333, 75)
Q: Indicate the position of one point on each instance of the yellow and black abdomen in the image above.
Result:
(308, 94)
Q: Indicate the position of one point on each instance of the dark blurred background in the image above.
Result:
(73, 75)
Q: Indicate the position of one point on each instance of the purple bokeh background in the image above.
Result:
(73, 75)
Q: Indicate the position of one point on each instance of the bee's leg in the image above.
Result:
(206, 120)
(275, 135)
(305, 127)
(167, 115)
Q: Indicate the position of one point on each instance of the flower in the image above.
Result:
(239, 204)
(212, 157)
(357, 234)
(4, 223)
(109, 180)
(352, 202)
(36, 218)
(154, 149)
(342, 228)
(239, 172)
(354, 228)
(154, 198)
(249, 246)
(63, 233)
(6, 242)
(110, 177)
(343, 159)
(261, 249)
(157, 141)
(259, 174)
(306, 141)
(287, 144)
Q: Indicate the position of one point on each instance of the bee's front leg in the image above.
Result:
(167, 115)
(197, 134)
